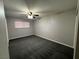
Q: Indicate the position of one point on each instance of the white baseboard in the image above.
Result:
(18, 37)
(56, 42)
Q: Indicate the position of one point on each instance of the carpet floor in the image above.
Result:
(34, 47)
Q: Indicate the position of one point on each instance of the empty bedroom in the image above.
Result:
(41, 29)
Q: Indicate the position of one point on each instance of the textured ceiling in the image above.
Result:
(17, 7)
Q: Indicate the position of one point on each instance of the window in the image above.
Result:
(21, 24)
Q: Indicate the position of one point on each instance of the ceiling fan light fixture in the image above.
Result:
(30, 16)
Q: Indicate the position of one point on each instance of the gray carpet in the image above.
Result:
(34, 47)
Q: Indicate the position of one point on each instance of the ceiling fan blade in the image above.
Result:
(35, 15)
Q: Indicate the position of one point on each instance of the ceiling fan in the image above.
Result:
(30, 15)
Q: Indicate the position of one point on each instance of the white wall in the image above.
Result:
(18, 32)
(3, 34)
(58, 28)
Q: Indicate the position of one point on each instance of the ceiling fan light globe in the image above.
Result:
(30, 17)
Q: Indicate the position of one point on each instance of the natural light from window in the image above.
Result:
(21, 24)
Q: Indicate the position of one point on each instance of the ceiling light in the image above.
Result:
(30, 16)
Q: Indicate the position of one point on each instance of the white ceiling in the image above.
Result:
(38, 6)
